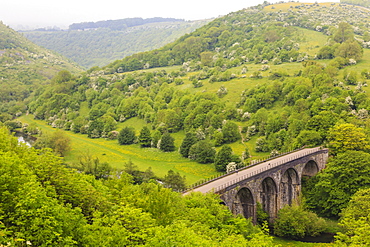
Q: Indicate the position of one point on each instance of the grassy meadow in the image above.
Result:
(117, 155)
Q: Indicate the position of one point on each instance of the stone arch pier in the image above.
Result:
(273, 183)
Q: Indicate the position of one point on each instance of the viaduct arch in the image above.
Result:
(273, 183)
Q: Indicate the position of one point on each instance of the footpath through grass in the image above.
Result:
(116, 155)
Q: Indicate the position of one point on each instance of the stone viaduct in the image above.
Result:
(273, 183)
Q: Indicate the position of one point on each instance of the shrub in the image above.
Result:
(202, 152)
(126, 136)
(167, 143)
(296, 223)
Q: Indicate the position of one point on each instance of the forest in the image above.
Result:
(258, 82)
(120, 24)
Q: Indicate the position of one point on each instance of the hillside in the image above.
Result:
(364, 3)
(250, 35)
(24, 67)
(122, 24)
(104, 42)
(261, 87)
(251, 84)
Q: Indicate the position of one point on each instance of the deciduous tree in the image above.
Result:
(350, 49)
(126, 136)
(167, 143)
(58, 140)
(174, 181)
(355, 220)
(330, 191)
(223, 157)
(202, 152)
(230, 132)
(295, 222)
(344, 32)
(343, 137)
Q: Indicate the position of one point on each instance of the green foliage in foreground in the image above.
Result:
(294, 222)
(287, 242)
(43, 203)
(355, 220)
(330, 191)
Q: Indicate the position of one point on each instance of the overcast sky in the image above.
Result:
(43, 13)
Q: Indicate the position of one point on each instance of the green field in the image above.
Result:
(116, 155)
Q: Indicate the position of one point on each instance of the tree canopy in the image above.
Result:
(126, 136)
(202, 152)
(355, 220)
(330, 191)
(223, 158)
(343, 137)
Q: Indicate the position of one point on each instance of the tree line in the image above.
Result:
(103, 45)
(120, 24)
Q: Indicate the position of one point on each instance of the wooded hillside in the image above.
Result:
(104, 42)
(254, 83)
(24, 67)
(364, 3)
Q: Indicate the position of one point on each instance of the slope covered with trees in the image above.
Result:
(364, 3)
(24, 67)
(269, 78)
(120, 25)
(311, 98)
(99, 43)
(261, 33)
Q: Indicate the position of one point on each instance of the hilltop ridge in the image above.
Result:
(254, 34)
(121, 24)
